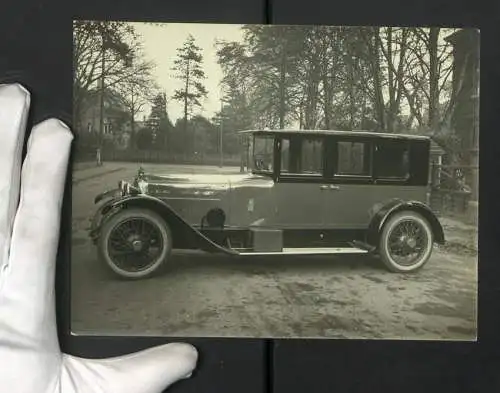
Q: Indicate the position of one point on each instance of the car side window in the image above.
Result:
(302, 156)
(285, 155)
(352, 158)
(392, 160)
(311, 158)
(263, 153)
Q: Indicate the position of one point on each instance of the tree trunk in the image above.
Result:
(392, 88)
(433, 120)
(301, 115)
(328, 75)
(101, 100)
(379, 98)
(352, 100)
(312, 96)
(186, 90)
(77, 116)
(132, 132)
(282, 109)
(327, 102)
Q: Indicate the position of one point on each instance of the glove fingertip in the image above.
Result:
(189, 353)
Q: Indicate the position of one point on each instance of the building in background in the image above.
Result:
(465, 116)
(117, 125)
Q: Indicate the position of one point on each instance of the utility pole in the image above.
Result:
(221, 163)
(166, 131)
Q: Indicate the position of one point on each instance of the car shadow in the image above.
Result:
(261, 264)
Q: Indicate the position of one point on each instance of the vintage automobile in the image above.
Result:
(307, 192)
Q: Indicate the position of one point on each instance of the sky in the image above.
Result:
(160, 45)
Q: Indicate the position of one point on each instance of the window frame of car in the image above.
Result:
(417, 154)
(349, 178)
(271, 173)
(417, 165)
(296, 144)
(418, 157)
(378, 147)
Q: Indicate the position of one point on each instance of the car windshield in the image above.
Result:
(263, 153)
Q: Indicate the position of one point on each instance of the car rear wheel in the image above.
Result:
(406, 243)
(135, 243)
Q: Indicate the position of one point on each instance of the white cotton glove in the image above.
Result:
(30, 204)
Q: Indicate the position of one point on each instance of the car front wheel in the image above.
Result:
(406, 243)
(135, 243)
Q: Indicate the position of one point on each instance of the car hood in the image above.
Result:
(215, 180)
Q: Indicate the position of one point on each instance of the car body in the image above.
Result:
(307, 192)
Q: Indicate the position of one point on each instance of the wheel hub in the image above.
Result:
(411, 242)
(137, 245)
(408, 241)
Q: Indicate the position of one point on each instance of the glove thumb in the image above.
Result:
(148, 371)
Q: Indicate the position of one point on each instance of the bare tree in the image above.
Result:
(387, 78)
(101, 51)
(137, 91)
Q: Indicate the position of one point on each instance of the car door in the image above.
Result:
(348, 198)
(300, 185)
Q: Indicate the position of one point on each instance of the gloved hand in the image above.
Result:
(30, 203)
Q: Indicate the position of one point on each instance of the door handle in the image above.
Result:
(331, 187)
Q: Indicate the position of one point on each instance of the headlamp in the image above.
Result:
(124, 187)
(143, 186)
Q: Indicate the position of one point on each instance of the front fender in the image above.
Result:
(107, 194)
(382, 214)
(185, 236)
(103, 212)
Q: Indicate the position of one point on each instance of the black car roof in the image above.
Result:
(360, 133)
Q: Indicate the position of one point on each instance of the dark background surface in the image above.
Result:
(35, 49)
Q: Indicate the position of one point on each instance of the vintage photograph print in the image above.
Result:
(274, 181)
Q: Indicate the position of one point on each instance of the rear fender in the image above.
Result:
(184, 235)
(384, 212)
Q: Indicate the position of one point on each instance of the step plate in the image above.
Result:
(311, 251)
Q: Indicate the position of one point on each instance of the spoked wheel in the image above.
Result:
(135, 243)
(406, 242)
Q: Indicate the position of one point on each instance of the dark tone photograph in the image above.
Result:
(275, 181)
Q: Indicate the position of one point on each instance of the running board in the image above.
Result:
(309, 251)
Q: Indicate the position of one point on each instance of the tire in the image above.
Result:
(413, 232)
(126, 230)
